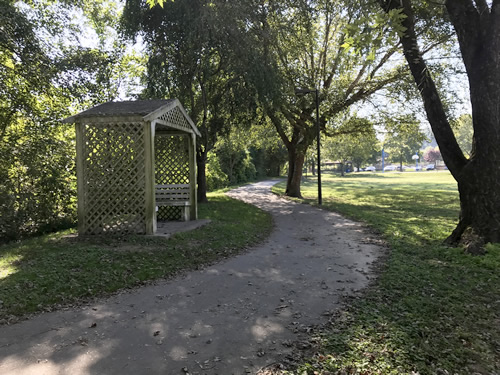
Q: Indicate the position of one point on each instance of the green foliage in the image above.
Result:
(357, 143)
(49, 271)
(37, 185)
(403, 139)
(44, 76)
(216, 178)
(431, 310)
(268, 161)
(464, 133)
(236, 162)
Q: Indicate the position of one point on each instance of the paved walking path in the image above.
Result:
(232, 318)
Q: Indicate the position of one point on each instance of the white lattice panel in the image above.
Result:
(114, 178)
(176, 117)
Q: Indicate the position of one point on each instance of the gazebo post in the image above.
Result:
(80, 181)
(193, 213)
(149, 167)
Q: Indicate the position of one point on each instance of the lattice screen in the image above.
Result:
(176, 117)
(171, 167)
(114, 178)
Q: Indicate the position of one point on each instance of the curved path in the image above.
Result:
(232, 318)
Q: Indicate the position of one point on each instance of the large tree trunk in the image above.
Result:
(478, 178)
(295, 166)
(478, 32)
(479, 207)
(201, 178)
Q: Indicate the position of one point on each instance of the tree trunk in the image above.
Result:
(201, 163)
(295, 165)
(479, 207)
(479, 177)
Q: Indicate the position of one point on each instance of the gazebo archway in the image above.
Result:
(135, 165)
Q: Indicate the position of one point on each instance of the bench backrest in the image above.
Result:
(172, 192)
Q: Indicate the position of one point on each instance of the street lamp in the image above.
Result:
(415, 157)
(299, 92)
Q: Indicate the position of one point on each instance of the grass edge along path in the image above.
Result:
(433, 309)
(54, 271)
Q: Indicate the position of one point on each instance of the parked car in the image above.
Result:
(430, 167)
(370, 168)
(390, 168)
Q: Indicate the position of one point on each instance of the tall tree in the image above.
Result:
(197, 53)
(476, 24)
(403, 139)
(333, 46)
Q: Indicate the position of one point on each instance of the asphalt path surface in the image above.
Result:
(240, 316)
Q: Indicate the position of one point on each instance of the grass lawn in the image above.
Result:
(433, 309)
(55, 270)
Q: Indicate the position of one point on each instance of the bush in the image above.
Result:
(38, 185)
(245, 169)
(216, 178)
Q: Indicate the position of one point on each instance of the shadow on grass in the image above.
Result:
(431, 311)
(434, 309)
(52, 271)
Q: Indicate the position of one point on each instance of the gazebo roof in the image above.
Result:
(149, 110)
(125, 108)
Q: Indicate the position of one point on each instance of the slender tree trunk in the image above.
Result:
(295, 165)
(201, 163)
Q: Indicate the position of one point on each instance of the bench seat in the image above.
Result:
(174, 195)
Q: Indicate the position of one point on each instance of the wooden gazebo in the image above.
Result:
(135, 164)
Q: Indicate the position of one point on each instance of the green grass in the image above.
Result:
(54, 270)
(433, 309)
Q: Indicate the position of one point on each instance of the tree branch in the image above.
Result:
(357, 79)
(468, 24)
(436, 115)
(482, 6)
(279, 128)
(384, 59)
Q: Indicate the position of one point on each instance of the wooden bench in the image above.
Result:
(174, 195)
